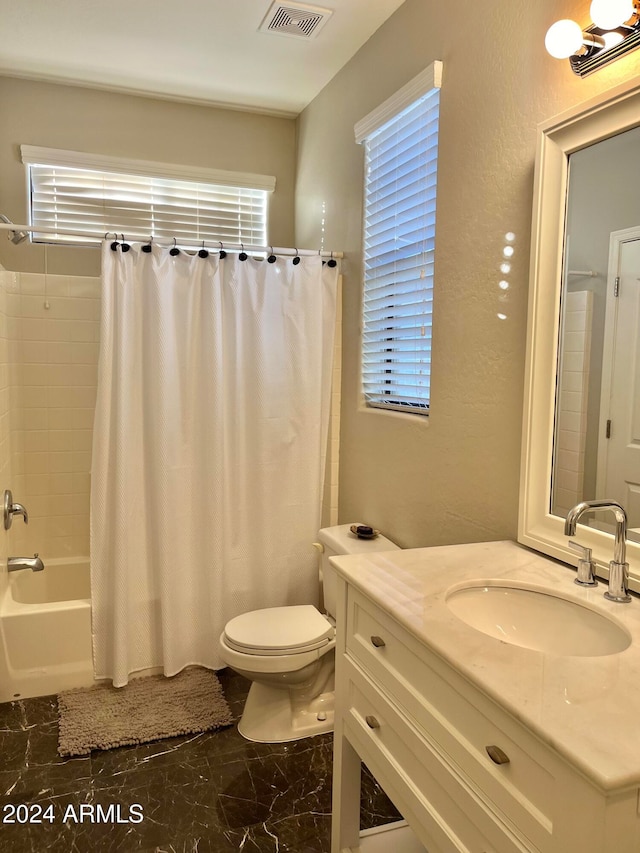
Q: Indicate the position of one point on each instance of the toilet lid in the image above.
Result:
(279, 630)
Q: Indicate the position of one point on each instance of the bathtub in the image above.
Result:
(45, 623)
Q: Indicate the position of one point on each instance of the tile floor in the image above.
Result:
(208, 793)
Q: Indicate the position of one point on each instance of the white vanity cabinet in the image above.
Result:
(465, 774)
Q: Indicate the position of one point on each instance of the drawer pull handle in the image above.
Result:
(497, 755)
(378, 642)
(372, 722)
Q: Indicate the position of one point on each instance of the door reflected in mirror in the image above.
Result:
(597, 417)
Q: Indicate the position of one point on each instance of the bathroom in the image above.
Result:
(448, 479)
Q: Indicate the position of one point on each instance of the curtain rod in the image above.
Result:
(211, 244)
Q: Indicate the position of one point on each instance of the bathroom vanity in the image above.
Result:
(484, 745)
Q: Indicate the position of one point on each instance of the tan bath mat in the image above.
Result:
(102, 717)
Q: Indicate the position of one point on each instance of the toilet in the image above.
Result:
(288, 653)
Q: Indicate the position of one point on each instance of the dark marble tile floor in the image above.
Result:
(209, 793)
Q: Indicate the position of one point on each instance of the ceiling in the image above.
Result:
(202, 51)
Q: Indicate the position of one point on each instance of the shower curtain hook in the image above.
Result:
(331, 262)
(296, 260)
(272, 258)
(174, 250)
(223, 254)
(147, 247)
(243, 255)
(125, 246)
(203, 252)
(115, 244)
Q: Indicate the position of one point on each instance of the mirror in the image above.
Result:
(597, 419)
(580, 343)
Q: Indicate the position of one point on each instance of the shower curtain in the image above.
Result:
(209, 449)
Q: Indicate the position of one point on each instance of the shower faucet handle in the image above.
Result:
(11, 509)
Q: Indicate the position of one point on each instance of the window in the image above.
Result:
(401, 158)
(71, 191)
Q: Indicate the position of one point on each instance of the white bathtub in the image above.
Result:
(45, 622)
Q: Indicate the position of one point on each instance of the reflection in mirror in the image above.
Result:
(597, 419)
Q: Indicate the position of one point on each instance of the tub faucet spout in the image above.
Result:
(618, 567)
(34, 563)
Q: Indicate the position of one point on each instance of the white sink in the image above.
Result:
(537, 619)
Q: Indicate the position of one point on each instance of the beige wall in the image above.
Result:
(453, 478)
(118, 125)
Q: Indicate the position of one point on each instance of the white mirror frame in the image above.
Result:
(616, 111)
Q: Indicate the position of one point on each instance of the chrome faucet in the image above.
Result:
(14, 564)
(618, 567)
(11, 509)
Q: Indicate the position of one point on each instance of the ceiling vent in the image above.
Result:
(299, 20)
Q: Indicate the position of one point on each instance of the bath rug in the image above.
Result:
(103, 717)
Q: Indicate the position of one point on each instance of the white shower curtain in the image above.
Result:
(208, 452)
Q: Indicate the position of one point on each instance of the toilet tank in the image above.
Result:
(337, 541)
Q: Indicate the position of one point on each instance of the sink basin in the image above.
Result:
(536, 619)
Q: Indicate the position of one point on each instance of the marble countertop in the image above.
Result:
(586, 708)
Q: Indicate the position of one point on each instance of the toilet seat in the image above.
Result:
(279, 631)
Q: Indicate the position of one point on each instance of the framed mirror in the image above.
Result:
(582, 383)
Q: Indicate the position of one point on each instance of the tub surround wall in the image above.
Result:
(49, 329)
(54, 358)
(454, 476)
(100, 122)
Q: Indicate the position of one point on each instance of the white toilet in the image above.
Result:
(288, 653)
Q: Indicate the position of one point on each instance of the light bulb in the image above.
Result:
(563, 39)
(609, 14)
(612, 39)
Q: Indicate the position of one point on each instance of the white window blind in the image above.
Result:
(139, 203)
(401, 157)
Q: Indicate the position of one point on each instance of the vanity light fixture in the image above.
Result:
(614, 32)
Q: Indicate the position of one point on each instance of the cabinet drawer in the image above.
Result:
(459, 729)
(452, 817)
